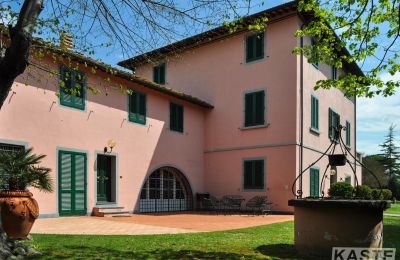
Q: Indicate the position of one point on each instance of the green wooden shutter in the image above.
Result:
(314, 182)
(259, 107)
(180, 118)
(65, 182)
(258, 174)
(161, 72)
(250, 48)
(348, 133)
(137, 107)
(65, 86)
(156, 74)
(79, 85)
(249, 114)
(314, 113)
(248, 174)
(259, 45)
(80, 184)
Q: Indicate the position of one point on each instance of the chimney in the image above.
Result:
(66, 41)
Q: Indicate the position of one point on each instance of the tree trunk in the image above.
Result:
(15, 59)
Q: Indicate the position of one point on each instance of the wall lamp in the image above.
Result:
(110, 145)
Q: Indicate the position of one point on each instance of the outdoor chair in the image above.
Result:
(232, 203)
(211, 204)
(259, 204)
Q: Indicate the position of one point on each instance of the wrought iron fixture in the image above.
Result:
(335, 159)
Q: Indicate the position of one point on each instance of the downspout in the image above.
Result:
(355, 136)
(301, 114)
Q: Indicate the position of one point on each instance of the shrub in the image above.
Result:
(376, 194)
(386, 194)
(363, 192)
(341, 190)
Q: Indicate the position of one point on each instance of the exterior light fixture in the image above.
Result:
(332, 171)
(110, 145)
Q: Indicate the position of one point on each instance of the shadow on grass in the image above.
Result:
(90, 252)
(278, 251)
(391, 237)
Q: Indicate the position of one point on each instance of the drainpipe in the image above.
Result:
(301, 113)
(355, 136)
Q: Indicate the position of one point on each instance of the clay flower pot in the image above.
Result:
(19, 210)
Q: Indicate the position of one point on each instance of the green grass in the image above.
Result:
(394, 209)
(265, 242)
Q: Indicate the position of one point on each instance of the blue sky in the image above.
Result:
(374, 115)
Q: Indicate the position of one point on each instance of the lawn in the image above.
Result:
(273, 241)
(394, 209)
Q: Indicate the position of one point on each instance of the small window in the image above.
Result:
(314, 182)
(137, 107)
(333, 125)
(347, 179)
(314, 113)
(8, 148)
(313, 43)
(72, 88)
(159, 74)
(255, 46)
(253, 175)
(334, 72)
(348, 134)
(254, 109)
(176, 117)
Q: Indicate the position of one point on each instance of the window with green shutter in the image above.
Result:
(137, 107)
(334, 72)
(176, 117)
(255, 46)
(253, 174)
(314, 182)
(254, 106)
(72, 88)
(333, 125)
(348, 134)
(315, 64)
(347, 179)
(159, 74)
(314, 113)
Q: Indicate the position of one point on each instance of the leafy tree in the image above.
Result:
(390, 154)
(133, 25)
(374, 163)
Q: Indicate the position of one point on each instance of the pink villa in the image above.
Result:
(219, 113)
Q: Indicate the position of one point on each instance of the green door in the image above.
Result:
(72, 183)
(104, 178)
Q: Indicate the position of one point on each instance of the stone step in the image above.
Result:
(108, 210)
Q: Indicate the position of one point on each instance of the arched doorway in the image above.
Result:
(166, 189)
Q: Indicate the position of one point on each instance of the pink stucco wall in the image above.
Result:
(218, 73)
(33, 115)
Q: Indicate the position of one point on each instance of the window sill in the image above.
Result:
(254, 190)
(315, 131)
(254, 127)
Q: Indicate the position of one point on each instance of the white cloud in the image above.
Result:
(374, 116)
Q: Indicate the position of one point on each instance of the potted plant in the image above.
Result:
(18, 171)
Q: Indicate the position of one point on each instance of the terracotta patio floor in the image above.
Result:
(139, 224)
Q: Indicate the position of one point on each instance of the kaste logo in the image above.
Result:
(361, 253)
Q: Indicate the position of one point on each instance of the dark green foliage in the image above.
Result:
(363, 192)
(394, 186)
(342, 190)
(391, 154)
(18, 170)
(376, 194)
(374, 164)
(386, 194)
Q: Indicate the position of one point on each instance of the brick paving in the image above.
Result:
(142, 224)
